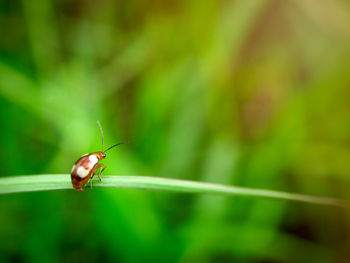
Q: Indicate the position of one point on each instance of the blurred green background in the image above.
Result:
(251, 93)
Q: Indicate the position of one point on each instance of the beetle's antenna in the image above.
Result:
(99, 124)
(114, 146)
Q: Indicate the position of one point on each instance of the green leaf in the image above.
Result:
(29, 183)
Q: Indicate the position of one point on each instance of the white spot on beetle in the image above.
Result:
(93, 159)
(82, 172)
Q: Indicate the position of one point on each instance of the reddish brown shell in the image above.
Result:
(84, 168)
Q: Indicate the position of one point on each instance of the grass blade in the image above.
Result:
(29, 183)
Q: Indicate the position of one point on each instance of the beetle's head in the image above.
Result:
(100, 155)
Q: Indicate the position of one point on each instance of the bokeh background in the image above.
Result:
(250, 93)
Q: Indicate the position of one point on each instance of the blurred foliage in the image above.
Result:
(251, 93)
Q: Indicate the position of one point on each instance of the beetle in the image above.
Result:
(85, 168)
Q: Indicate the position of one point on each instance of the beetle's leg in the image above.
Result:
(93, 173)
(91, 181)
(100, 165)
(103, 167)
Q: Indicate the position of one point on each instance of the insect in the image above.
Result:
(85, 168)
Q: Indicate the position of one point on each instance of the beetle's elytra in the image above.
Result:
(86, 166)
